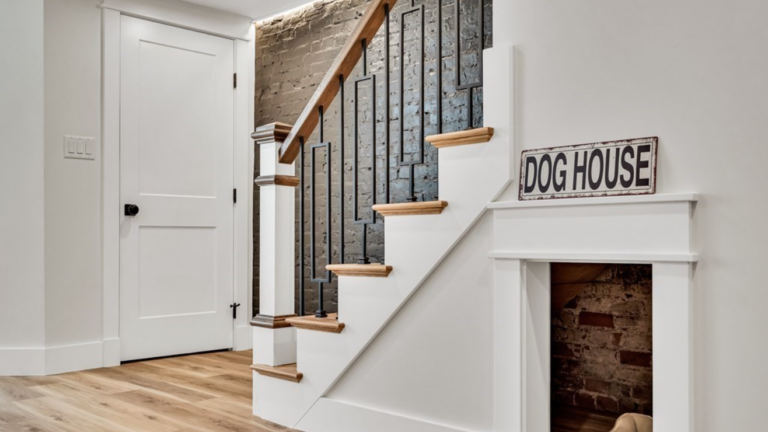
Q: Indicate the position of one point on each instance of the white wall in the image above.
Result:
(21, 183)
(51, 227)
(72, 187)
(51, 313)
(433, 362)
(693, 73)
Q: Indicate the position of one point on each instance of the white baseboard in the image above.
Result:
(111, 352)
(52, 360)
(77, 357)
(70, 358)
(22, 361)
(243, 338)
(330, 415)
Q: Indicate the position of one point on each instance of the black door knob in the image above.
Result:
(131, 209)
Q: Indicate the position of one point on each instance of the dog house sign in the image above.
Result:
(626, 167)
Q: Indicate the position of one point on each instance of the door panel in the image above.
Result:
(176, 150)
(184, 126)
(184, 285)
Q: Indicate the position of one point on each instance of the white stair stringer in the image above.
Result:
(432, 366)
(330, 415)
(469, 178)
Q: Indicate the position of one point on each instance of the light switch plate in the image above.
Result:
(76, 147)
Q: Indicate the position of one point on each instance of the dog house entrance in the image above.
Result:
(601, 345)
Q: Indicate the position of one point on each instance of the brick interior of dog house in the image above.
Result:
(602, 339)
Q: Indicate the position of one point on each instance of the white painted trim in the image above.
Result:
(536, 328)
(72, 358)
(591, 257)
(329, 412)
(527, 272)
(110, 219)
(277, 347)
(111, 352)
(51, 360)
(611, 230)
(508, 365)
(245, 52)
(673, 365)
(634, 199)
(186, 15)
(242, 334)
(244, 55)
(22, 361)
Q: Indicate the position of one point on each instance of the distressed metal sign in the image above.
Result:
(610, 168)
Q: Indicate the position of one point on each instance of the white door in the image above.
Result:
(176, 161)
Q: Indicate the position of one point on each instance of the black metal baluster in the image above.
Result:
(364, 259)
(387, 116)
(411, 164)
(341, 169)
(440, 66)
(470, 88)
(301, 226)
(320, 313)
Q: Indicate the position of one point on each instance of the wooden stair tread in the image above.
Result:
(360, 270)
(466, 137)
(411, 208)
(287, 372)
(329, 324)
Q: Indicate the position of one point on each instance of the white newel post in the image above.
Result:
(274, 340)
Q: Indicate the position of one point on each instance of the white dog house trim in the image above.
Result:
(528, 236)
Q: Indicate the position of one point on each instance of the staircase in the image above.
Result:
(299, 359)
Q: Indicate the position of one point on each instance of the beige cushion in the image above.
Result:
(633, 423)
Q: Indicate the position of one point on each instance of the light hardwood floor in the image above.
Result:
(204, 392)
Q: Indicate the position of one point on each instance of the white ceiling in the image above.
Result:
(255, 9)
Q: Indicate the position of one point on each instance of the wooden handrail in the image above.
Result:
(329, 87)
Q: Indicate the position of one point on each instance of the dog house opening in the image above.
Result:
(601, 347)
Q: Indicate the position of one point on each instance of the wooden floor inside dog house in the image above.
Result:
(570, 419)
(601, 345)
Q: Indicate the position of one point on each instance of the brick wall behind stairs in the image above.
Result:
(602, 337)
(293, 53)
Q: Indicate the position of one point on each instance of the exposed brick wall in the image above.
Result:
(293, 53)
(602, 337)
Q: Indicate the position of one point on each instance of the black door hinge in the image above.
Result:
(234, 196)
(234, 80)
(234, 307)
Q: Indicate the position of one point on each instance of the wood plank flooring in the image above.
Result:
(196, 393)
(567, 419)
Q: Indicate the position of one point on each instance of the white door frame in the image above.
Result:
(522, 358)
(530, 235)
(242, 32)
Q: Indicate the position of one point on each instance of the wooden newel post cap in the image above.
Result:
(271, 133)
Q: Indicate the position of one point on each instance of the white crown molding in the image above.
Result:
(569, 202)
(186, 15)
(592, 257)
